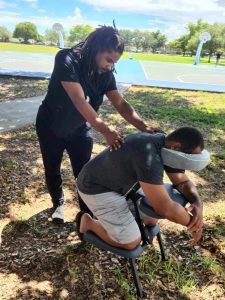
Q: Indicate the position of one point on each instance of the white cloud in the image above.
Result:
(32, 2)
(42, 10)
(169, 16)
(45, 22)
(172, 14)
(176, 10)
(4, 4)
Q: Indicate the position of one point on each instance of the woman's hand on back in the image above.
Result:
(114, 139)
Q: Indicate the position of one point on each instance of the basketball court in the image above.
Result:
(149, 73)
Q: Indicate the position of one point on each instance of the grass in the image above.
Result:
(28, 48)
(189, 273)
(146, 272)
(200, 109)
(179, 274)
(170, 58)
(124, 284)
(137, 56)
(211, 263)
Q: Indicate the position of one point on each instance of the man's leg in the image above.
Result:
(52, 152)
(88, 223)
(79, 149)
(115, 225)
(150, 221)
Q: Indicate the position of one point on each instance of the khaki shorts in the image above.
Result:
(113, 213)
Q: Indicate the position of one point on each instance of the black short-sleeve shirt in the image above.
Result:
(63, 117)
(139, 159)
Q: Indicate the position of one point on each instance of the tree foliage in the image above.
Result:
(190, 41)
(4, 34)
(26, 30)
(217, 42)
(143, 40)
(79, 32)
(52, 36)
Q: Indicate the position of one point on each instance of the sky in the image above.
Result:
(169, 16)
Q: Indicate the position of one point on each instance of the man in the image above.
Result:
(81, 77)
(218, 56)
(105, 180)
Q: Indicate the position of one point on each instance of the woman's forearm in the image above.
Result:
(131, 116)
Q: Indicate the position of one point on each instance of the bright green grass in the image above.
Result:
(170, 58)
(200, 109)
(28, 48)
(138, 56)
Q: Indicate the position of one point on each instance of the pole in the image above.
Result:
(61, 42)
(198, 53)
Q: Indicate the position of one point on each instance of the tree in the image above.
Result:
(180, 44)
(193, 43)
(40, 38)
(26, 30)
(4, 34)
(217, 32)
(147, 41)
(137, 39)
(127, 36)
(189, 41)
(51, 36)
(158, 41)
(79, 33)
(183, 40)
(199, 27)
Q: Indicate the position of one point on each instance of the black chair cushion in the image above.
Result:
(145, 204)
(92, 238)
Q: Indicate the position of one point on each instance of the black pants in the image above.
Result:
(78, 146)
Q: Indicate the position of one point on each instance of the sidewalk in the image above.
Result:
(18, 113)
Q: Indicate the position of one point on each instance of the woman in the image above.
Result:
(81, 77)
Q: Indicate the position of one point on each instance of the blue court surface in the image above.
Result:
(148, 73)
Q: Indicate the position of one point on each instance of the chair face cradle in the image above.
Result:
(148, 233)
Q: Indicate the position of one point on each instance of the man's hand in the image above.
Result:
(197, 218)
(153, 129)
(196, 236)
(113, 139)
(195, 226)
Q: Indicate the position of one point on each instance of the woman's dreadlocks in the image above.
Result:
(104, 38)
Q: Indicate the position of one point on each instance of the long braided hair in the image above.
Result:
(104, 38)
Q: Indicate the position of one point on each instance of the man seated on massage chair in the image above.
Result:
(104, 181)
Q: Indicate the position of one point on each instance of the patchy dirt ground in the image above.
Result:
(14, 88)
(39, 260)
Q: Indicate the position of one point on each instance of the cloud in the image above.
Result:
(42, 10)
(32, 2)
(44, 22)
(170, 17)
(176, 13)
(209, 9)
(4, 4)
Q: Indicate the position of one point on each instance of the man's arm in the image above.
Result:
(76, 94)
(128, 113)
(189, 191)
(164, 205)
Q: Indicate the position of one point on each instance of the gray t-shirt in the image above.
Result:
(139, 159)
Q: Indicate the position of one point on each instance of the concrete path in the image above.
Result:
(21, 112)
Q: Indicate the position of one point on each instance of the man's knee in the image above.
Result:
(132, 245)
